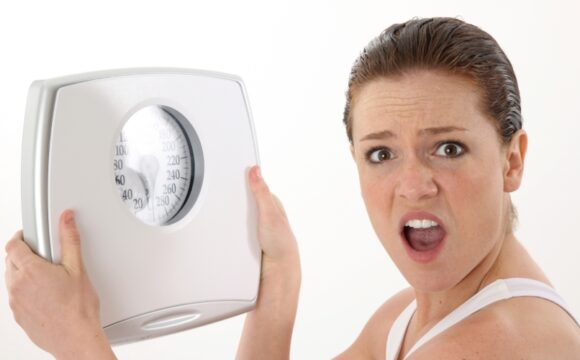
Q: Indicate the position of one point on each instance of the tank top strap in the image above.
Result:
(398, 330)
(529, 287)
(500, 289)
(493, 292)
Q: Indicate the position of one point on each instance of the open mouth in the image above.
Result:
(423, 235)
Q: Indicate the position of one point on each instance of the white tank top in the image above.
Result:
(498, 290)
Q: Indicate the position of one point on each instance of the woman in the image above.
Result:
(434, 124)
(433, 119)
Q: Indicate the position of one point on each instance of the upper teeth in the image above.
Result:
(421, 224)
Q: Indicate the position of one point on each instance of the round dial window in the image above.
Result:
(154, 165)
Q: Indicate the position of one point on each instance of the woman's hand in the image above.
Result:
(268, 328)
(279, 247)
(56, 305)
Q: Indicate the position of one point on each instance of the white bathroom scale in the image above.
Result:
(154, 163)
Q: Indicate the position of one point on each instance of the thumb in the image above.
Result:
(70, 243)
(269, 207)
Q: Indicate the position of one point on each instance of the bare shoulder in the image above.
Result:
(519, 328)
(371, 343)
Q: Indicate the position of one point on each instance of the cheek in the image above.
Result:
(372, 193)
(475, 199)
(377, 193)
(375, 187)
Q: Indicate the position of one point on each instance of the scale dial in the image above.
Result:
(153, 165)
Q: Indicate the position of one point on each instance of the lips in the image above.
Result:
(423, 235)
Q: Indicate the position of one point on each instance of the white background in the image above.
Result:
(295, 57)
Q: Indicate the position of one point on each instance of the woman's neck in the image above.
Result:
(433, 306)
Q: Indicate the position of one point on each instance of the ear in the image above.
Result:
(352, 152)
(515, 156)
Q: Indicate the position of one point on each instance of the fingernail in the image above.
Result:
(69, 218)
(258, 173)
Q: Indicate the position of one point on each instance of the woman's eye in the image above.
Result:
(379, 155)
(450, 149)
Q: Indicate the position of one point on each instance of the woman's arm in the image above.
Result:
(268, 328)
(56, 305)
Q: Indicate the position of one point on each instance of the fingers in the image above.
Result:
(9, 270)
(9, 265)
(18, 253)
(70, 243)
(268, 204)
(279, 205)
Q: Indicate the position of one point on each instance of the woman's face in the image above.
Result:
(432, 173)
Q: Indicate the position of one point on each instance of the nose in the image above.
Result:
(415, 182)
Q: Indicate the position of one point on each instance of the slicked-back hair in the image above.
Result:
(447, 44)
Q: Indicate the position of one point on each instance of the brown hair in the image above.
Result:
(447, 44)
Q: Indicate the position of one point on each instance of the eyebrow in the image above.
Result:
(386, 134)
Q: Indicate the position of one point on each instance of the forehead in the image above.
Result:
(417, 100)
